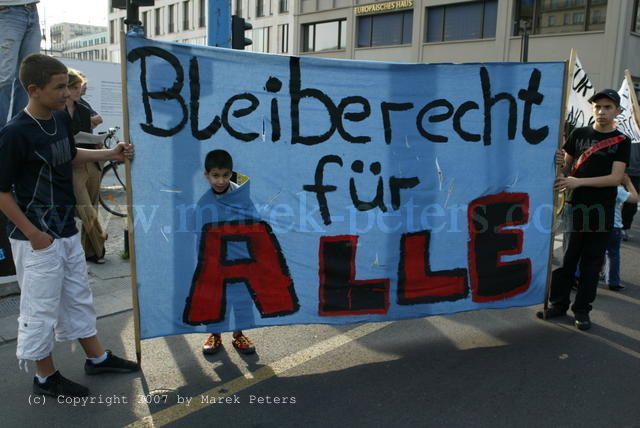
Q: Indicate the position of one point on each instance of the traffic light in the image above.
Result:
(238, 27)
(122, 4)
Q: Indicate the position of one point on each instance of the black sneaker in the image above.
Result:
(58, 385)
(552, 312)
(616, 287)
(582, 320)
(112, 364)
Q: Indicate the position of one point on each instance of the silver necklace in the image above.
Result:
(55, 124)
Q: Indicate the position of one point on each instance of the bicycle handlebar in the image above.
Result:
(111, 132)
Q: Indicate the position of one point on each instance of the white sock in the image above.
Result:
(42, 379)
(99, 359)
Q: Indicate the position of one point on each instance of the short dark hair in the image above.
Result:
(37, 69)
(218, 159)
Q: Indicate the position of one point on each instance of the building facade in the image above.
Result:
(182, 21)
(273, 24)
(93, 47)
(606, 33)
(63, 32)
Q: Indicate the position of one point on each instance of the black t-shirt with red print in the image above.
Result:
(595, 200)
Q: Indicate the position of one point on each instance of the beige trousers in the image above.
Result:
(86, 187)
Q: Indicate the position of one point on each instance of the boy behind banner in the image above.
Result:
(37, 150)
(218, 169)
(596, 157)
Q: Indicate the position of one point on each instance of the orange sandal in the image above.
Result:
(212, 344)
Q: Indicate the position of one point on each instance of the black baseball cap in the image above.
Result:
(607, 93)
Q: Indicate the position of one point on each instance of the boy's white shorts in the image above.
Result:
(54, 296)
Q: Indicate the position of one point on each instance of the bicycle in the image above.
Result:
(112, 184)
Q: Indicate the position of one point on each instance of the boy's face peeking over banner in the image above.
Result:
(376, 191)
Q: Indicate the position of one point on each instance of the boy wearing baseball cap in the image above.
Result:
(593, 163)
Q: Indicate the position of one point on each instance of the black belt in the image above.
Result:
(19, 5)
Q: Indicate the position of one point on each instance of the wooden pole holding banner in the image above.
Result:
(127, 164)
(634, 98)
(568, 79)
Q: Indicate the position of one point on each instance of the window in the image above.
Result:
(283, 6)
(259, 8)
(186, 21)
(578, 18)
(145, 21)
(112, 31)
(462, 21)
(172, 18)
(385, 29)
(202, 13)
(324, 36)
(635, 26)
(239, 7)
(544, 15)
(283, 38)
(261, 39)
(158, 21)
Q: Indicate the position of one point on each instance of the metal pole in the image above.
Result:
(219, 23)
(525, 25)
(44, 39)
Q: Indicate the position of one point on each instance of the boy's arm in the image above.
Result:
(38, 238)
(13, 150)
(118, 153)
(610, 180)
(564, 161)
(566, 155)
(633, 194)
(96, 120)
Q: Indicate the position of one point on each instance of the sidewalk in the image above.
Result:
(110, 282)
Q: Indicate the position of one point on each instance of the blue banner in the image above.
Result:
(370, 191)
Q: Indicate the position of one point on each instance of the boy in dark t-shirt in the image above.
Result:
(594, 158)
(37, 150)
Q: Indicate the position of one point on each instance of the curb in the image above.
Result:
(9, 289)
